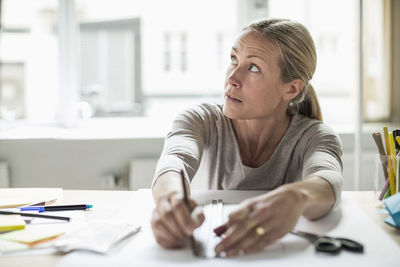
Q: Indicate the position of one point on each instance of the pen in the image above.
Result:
(58, 207)
(186, 200)
(35, 215)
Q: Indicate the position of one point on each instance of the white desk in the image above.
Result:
(105, 202)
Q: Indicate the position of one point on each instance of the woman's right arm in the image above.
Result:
(172, 221)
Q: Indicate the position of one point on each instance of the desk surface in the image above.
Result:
(103, 200)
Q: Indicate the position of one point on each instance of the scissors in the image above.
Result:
(331, 245)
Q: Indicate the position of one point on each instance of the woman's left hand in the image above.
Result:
(261, 220)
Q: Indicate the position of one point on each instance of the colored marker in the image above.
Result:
(392, 181)
(57, 208)
(396, 134)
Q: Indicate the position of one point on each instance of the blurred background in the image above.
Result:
(88, 88)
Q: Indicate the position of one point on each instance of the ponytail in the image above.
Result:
(306, 103)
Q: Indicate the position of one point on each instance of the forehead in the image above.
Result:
(254, 43)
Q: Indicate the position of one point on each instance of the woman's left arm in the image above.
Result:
(318, 195)
(261, 220)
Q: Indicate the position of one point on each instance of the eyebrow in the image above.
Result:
(249, 56)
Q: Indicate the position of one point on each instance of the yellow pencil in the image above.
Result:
(398, 139)
(388, 153)
(393, 156)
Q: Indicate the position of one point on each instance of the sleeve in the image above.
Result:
(184, 144)
(323, 159)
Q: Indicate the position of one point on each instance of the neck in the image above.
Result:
(258, 138)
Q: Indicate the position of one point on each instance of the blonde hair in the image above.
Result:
(298, 60)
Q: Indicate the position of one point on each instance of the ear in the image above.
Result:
(293, 89)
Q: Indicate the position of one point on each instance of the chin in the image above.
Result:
(231, 113)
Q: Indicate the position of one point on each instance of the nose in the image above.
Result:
(233, 79)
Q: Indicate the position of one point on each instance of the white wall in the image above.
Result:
(88, 164)
(73, 164)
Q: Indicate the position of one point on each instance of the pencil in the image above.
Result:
(35, 215)
(42, 203)
(388, 153)
(186, 200)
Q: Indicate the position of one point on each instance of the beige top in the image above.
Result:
(203, 134)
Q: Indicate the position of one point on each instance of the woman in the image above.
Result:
(268, 135)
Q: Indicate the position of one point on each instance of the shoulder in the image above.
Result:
(316, 132)
(207, 111)
(202, 121)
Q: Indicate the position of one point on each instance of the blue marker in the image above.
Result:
(58, 207)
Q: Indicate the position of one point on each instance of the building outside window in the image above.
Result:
(153, 58)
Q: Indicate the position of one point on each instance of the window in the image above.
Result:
(110, 83)
(151, 58)
(29, 61)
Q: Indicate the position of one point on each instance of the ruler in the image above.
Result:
(205, 238)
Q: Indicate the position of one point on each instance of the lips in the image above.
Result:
(232, 98)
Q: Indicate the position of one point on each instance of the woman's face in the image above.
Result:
(253, 86)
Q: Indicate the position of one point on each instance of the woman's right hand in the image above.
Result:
(173, 222)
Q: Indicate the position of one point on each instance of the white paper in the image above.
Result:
(347, 221)
(96, 236)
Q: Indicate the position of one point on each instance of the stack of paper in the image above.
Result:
(14, 233)
(11, 222)
(33, 235)
(16, 197)
(97, 236)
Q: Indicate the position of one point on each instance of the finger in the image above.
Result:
(192, 204)
(263, 242)
(256, 247)
(261, 212)
(235, 234)
(239, 214)
(249, 241)
(241, 230)
(182, 216)
(196, 213)
(198, 216)
(166, 243)
(166, 214)
(238, 230)
(244, 209)
(160, 230)
(220, 230)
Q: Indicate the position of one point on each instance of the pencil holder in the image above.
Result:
(386, 178)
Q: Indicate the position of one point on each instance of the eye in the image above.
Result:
(233, 60)
(254, 68)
